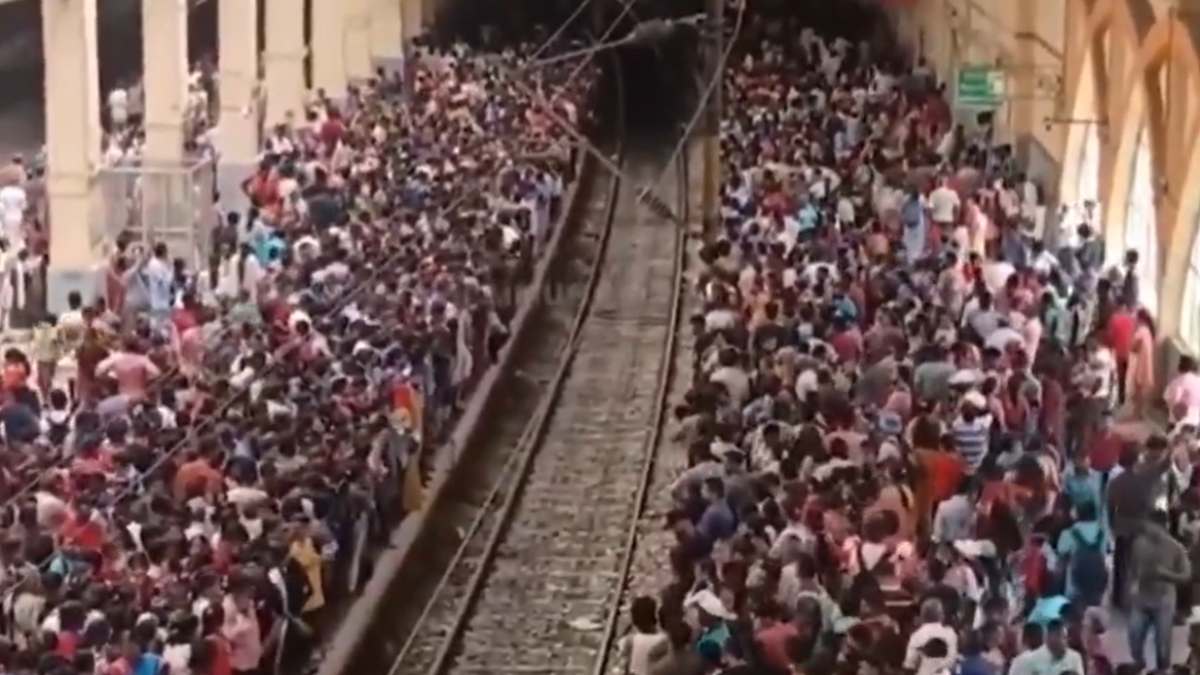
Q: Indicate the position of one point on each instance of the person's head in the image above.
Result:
(995, 609)
(644, 614)
(74, 300)
(931, 611)
(1056, 638)
(1032, 636)
(241, 589)
(1086, 511)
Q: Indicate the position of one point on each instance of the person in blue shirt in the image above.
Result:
(713, 618)
(718, 521)
(916, 226)
(1082, 484)
(1050, 607)
(808, 217)
(974, 660)
(1083, 547)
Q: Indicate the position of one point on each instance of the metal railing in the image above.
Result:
(151, 204)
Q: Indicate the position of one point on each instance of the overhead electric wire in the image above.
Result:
(646, 192)
(561, 29)
(716, 80)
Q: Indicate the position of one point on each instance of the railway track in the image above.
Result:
(537, 579)
(463, 511)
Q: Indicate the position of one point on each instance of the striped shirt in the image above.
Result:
(971, 440)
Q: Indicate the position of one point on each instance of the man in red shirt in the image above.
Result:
(773, 636)
(332, 130)
(848, 342)
(1104, 447)
(82, 531)
(1118, 336)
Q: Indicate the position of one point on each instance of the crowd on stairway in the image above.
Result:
(23, 221)
(200, 464)
(124, 116)
(907, 431)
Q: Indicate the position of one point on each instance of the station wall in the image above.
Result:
(1103, 103)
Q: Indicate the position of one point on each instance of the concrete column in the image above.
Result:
(429, 13)
(238, 135)
(284, 60)
(358, 39)
(165, 64)
(329, 37)
(387, 33)
(412, 22)
(72, 144)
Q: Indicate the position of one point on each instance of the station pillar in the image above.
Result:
(165, 68)
(413, 17)
(284, 61)
(387, 33)
(238, 136)
(428, 13)
(329, 45)
(73, 136)
(358, 39)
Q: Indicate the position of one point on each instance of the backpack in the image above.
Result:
(1035, 570)
(59, 431)
(1088, 569)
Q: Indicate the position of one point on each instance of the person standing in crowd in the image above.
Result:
(1142, 371)
(1131, 500)
(637, 647)
(1158, 565)
(14, 205)
(1182, 394)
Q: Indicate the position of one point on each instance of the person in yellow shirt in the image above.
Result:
(47, 350)
(304, 551)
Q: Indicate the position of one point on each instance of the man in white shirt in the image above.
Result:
(1027, 662)
(932, 628)
(118, 108)
(944, 205)
(13, 204)
(733, 377)
(1054, 657)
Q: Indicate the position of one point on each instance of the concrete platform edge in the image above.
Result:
(344, 644)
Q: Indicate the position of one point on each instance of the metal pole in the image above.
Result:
(712, 142)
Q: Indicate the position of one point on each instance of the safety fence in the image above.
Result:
(150, 204)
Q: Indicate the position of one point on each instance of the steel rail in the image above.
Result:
(665, 373)
(540, 420)
(517, 467)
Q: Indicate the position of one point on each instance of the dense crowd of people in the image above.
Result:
(124, 119)
(903, 440)
(199, 462)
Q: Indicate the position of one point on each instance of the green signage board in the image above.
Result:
(980, 86)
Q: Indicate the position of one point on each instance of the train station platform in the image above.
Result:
(474, 371)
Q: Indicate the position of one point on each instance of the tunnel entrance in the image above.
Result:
(661, 82)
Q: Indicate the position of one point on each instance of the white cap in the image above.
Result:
(710, 604)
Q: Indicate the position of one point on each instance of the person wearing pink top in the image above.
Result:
(241, 628)
(1183, 394)
(132, 371)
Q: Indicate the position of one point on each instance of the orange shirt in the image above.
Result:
(945, 471)
(194, 475)
(88, 535)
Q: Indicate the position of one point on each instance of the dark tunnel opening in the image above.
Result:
(661, 81)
